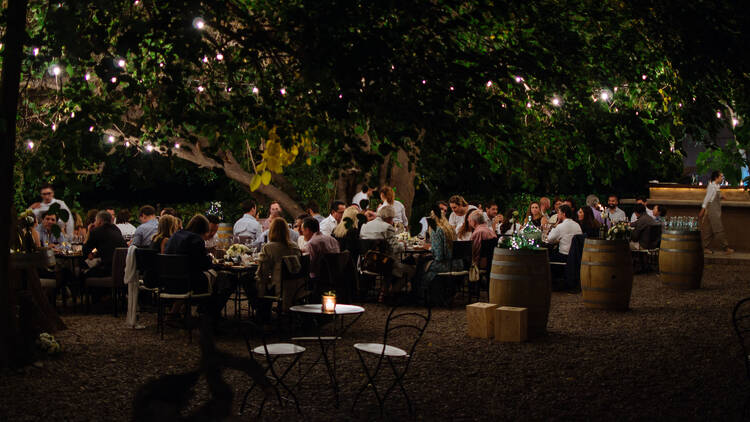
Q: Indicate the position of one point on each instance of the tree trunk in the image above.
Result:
(11, 77)
(400, 174)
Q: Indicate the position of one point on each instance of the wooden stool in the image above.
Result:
(479, 320)
(511, 324)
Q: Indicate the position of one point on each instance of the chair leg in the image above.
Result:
(369, 382)
(114, 301)
(398, 380)
(189, 320)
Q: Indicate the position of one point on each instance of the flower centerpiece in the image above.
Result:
(620, 230)
(237, 250)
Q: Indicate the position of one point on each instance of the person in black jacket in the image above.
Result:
(191, 241)
(104, 238)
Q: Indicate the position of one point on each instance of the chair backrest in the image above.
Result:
(145, 261)
(173, 272)
(741, 323)
(406, 323)
(304, 270)
(118, 266)
(654, 236)
(366, 245)
(487, 251)
(462, 251)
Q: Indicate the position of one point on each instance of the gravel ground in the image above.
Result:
(672, 356)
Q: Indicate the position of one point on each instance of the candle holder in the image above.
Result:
(329, 303)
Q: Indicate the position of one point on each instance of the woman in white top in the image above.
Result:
(389, 198)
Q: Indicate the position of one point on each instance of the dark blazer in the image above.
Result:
(641, 231)
(184, 242)
(105, 239)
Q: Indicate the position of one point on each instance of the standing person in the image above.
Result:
(464, 233)
(274, 212)
(459, 208)
(48, 198)
(389, 198)
(104, 238)
(329, 223)
(149, 225)
(123, 223)
(362, 195)
(613, 212)
(247, 225)
(710, 215)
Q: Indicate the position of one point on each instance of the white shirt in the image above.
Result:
(328, 225)
(358, 197)
(400, 211)
(379, 229)
(68, 226)
(712, 190)
(457, 221)
(425, 226)
(617, 215)
(635, 217)
(301, 242)
(563, 234)
(247, 226)
(127, 229)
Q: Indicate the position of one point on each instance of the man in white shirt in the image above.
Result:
(644, 201)
(563, 233)
(48, 198)
(459, 208)
(248, 226)
(493, 217)
(330, 222)
(710, 215)
(363, 194)
(613, 212)
(382, 228)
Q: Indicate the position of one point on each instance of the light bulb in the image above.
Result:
(72, 114)
(519, 79)
(255, 90)
(200, 88)
(87, 76)
(177, 146)
(219, 57)
(718, 115)
(199, 23)
(36, 51)
(54, 127)
(604, 95)
(451, 88)
(644, 77)
(111, 139)
(424, 81)
(149, 148)
(528, 105)
(91, 128)
(30, 144)
(735, 122)
(489, 84)
(283, 91)
(127, 144)
(161, 64)
(56, 70)
(555, 101)
(121, 63)
(341, 96)
(205, 59)
(113, 80)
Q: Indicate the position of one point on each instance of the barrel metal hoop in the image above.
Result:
(603, 241)
(524, 252)
(676, 250)
(683, 232)
(600, 264)
(512, 264)
(601, 250)
(495, 276)
(667, 239)
(599, 289)
(598, 302)
(678, 273)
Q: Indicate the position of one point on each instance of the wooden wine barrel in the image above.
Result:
(521, 278)
(606, 274)
(225, 233)
(681, 259)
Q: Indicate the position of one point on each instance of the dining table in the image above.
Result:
(242, 272)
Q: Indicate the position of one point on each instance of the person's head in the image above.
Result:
(91, 216)
(387, 214)
(371, 215)
(476, 218)
(248, 206)
(506, 225)
(310, 226)
(586, 217)
(123, 216)
(660, 210)
(534, 210)
(387, 194)
(348, 220)
(167, 227)
(111, 212)
(168, 211)
(642, 200)
(570, 202)
(613, 201)
(77, 221)
(213, 225)
(564, 213)
(444, 207)
(592, 201)
(146, 213)
(717, 176)
(274, 210)
(102, 218)
(47, 192)
(337, 210)
(199, 225)
(640, 209)
(49, 219)
(558, 202)
(364, 204)
(581, 214)
(492, 210)
(365, 189)
(544, 203)
(437, 220)
(298, 222)
(313, 208)
(458, 204)
(278, 231)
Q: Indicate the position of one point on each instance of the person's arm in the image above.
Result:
(163, 245)
(437, 246)
(476, 247)
(711, 192)
(70, 224)
(404, 219)
(554, 235)
(90, 244)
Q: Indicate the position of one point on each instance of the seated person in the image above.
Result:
(347, 231)
(318, 244)
(510, 224)
(248, 226)
(123, 223)
(382, 228)
(104, 238)
(191, 241)
(149, 225)
(167, 227)
(301, 242)
(213, 236)
(640, 237)
(465, 230)
(537, 217)
(263, 238)
(271, 260)
(589, 225)
(442, 235)
(562, 234)
(480, 232)
(45, 231)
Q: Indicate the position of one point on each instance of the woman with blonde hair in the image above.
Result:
(389, 198)
(442, 237)
(537, 217)
(347, 231)
(167, 227)
(273, 255)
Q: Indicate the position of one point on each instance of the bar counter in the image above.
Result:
(686, 200)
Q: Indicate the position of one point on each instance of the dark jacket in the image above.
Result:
(105, 239)
(184, 242)
(641, 231)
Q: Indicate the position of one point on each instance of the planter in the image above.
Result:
(606, 274)
(681, 259)
(521, 278)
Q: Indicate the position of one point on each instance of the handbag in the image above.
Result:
(474, 273)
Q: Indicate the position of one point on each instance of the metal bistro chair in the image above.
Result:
(409, 324)
(370, 268)
(741, 323)
(459, 271)
(173, 273)
(293, 285)
(272, 353)
(115, 282)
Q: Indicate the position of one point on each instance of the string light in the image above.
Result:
(341, 96)
(205, 59)
(136, 2)
(55, 69)
(219, 56)
(424, 81)
(519, 79)
(149, 148)
(54, 127)
(30, 145)
(199, 23)
(735, 122)
(87, 76)
(72, 114)
(604, 95)
(255, 90)
(556, 101)
(161, 64)
(718, 115)
(644, 77)
(229, 89)
(111, 139)
(177, 146)
(200, 88)
(113, 80)
(36, 51)
(489, 84)
(283, 91)
(121, 63)
(91, 128)
(127, 144)
(528, 105)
